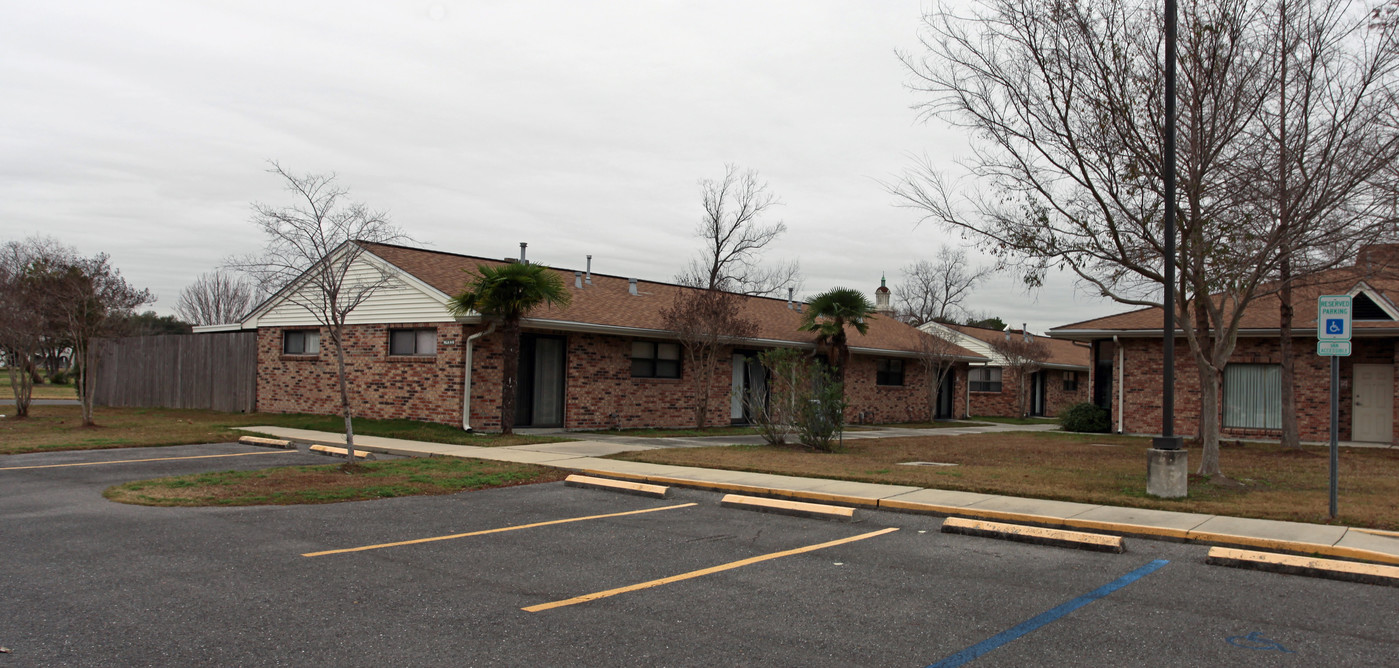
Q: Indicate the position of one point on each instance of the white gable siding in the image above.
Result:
(408, 300)
(966, 341)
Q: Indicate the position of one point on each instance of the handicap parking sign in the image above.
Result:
(1333, 318)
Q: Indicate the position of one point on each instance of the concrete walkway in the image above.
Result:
(587, 457)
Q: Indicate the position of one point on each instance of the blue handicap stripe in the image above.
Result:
(1044, 618)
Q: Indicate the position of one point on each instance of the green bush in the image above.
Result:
(821, 418)
(1085, 417)
(59, 377)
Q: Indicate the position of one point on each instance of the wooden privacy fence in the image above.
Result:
(215, 371)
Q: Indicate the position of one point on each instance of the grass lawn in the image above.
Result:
(49, 392)
(330, 483)
(50, 428)
(1268, 481)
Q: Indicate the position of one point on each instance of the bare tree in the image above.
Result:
(24, 329)
(706, 322)
(932, 290)
(735, 237)
(937, 353)
(215, 298)
(1066, 100)
(1024, 355)
(1329, 128)
(85, 299)
(314, 260)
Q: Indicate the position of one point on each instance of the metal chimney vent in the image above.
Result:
(589, 278)
(631, 285)
(577, 279)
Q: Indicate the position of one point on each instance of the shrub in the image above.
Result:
(821, 417)
(1085, 417)
(59, 377)
(775, 414)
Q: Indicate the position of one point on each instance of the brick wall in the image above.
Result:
(380, 385)
(599, 392)
(867, 402)
(1141, 380)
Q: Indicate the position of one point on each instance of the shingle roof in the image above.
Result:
(1263, 312)
(608, 302)
(1061, 353)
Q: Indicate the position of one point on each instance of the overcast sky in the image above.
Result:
(143, 129)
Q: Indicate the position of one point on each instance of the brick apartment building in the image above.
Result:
(990, 389)
(1127, 360)
(604, 361)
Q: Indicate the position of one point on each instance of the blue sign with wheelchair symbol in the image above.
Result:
(1335, 326)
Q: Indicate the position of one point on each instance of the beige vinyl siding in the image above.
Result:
(408, 300)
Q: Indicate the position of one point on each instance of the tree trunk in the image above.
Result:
(85, 382)
(703, 378)
(337, 339)
(1209, 420)
(1290, 436)
(23, 385)
(934, 386)
(510, 372)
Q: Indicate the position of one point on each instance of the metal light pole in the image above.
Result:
(1166, 461)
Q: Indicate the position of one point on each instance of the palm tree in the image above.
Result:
(509, 292)
(837, 308)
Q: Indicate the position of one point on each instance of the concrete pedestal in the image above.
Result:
(1166, 473)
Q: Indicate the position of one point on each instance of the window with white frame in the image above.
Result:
(984, 378)
(301, 342)
(650, 359)
(419, 342)
(1253, 396)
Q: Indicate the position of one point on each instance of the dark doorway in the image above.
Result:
(945, 398)
(539, 392)
(1037, 398)
(749, 388)
(1102, 373)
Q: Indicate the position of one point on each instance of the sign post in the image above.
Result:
(1333, 328)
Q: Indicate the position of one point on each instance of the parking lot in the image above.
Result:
(550, 575)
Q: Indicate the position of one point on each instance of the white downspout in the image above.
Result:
(466, 375)
(1121, 408)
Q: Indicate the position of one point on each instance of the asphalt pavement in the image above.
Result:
(551, 575)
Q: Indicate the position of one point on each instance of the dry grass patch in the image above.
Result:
(1268, 482)
(330, 483)
(50, 428)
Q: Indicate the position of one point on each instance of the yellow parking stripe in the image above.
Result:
(703, 571)
(488, 531)
(155, 459)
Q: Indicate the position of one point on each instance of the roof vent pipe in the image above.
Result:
(589, 278)
(789, 297)
(577, 279)
(631, 285)
(1025, 332)
(522, 251)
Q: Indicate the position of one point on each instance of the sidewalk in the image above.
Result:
(587, 457)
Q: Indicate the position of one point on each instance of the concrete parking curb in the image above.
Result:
(623, 486)
(1330, 569)
(1037, 535)
(266, 442)
(785, 507)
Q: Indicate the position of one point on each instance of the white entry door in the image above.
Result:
(1372, 408)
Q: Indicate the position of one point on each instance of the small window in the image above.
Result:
(985, 379)
(301, 342)
(889, 372)
(413, 342)
(1070, 381)
(655, 360)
